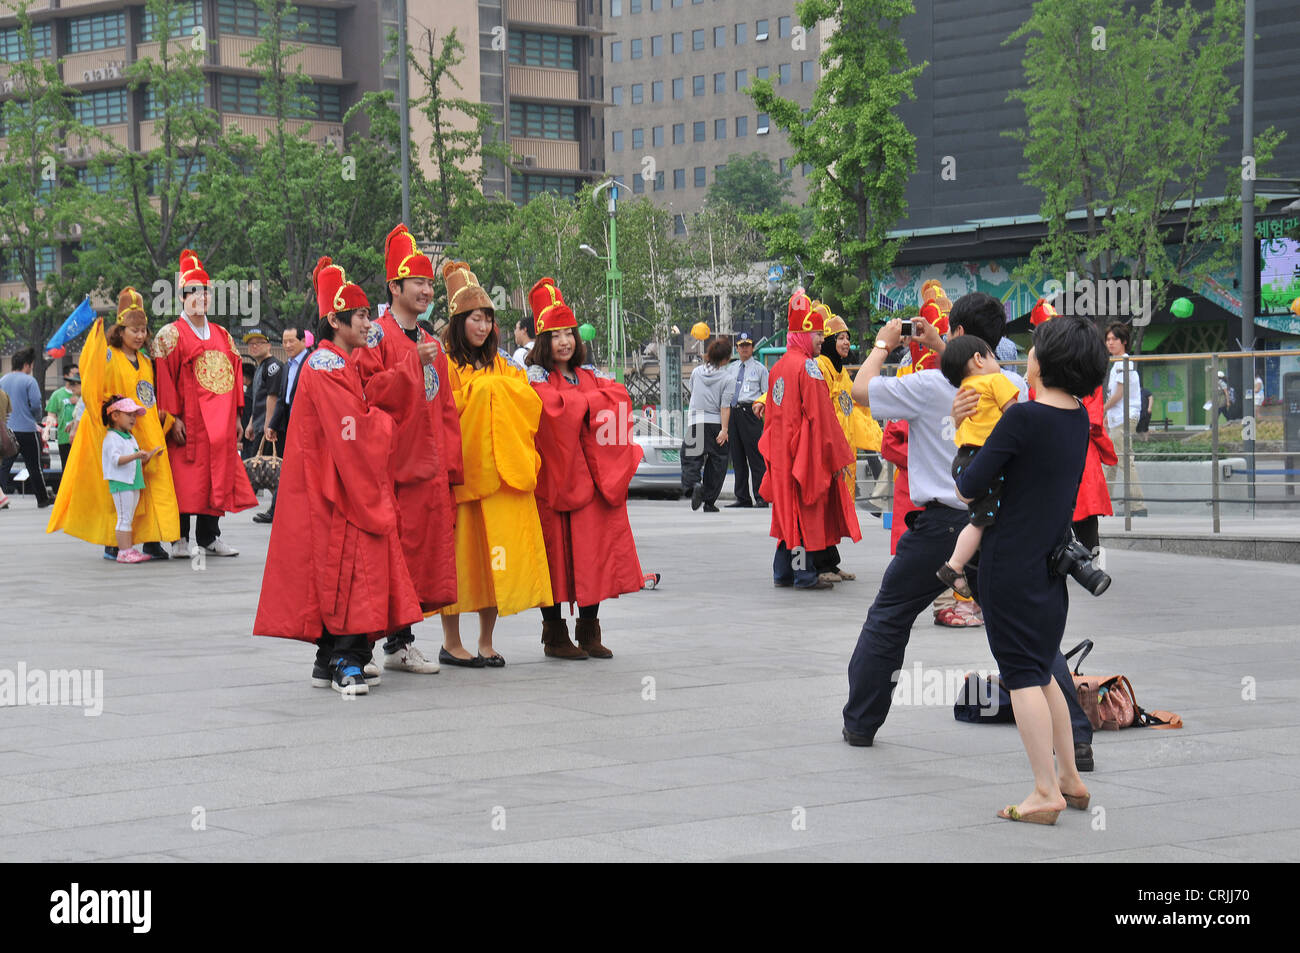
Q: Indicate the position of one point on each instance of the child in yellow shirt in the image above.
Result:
(968, 362)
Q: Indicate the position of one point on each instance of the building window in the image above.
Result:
(656, 5)
(636, 49)
(616, 8)
(697, 39)
(659, 181)
(719, 129)
(616, 141)
(101, 31)
(806, 71)
(100, 182)
(719, 82)
(638, 93)
(616, 95)
(763, 127)
(805, 169)
(657, 136)
(679, 42)
(11, 43)
(697, 85)
(760, 31)
(638, 138)
(242, 94)
(679, 224)
(190, 17)
(243, 17)
(697, 131)
(656, 46)
(542, 49)
(616, 51)
(763, 72)
(742, 79)
(535, 121)
(524, 188)
(103, 107)
(719, 37)
(742, 126)
(634, 6)
(679, 133)
(638, 185)
(11, 271)
(783, 26)
(741, 30)
(783, 74)
(699, 176)
(152, 109)
(679, 178)
(679, 88)
(657, 91)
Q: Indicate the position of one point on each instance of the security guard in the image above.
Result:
(745, 427)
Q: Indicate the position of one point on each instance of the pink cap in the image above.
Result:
(127, 406)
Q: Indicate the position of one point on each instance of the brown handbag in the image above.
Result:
(1110, 702)
(263, 469)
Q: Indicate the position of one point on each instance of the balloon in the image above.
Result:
(57, 352)
(1182, 308)
(587, 332)
(1295, 307)
(700, 332)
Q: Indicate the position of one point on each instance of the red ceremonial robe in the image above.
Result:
(202, 383)
(588, 459)
(427, 458)
(335, 561)
(894, 449)
(804, 447)
(1094, 495)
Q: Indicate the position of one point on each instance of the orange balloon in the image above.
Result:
(1295, 307)
(700, 331)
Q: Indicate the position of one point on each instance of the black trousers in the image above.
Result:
(553, 613)
(907, 589)
(352, 648)
(206, 528)
(64, 450)
(30, 450)
(704, 460)
(743, 431)
(827, 560)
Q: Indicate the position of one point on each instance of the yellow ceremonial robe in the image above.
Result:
(500, 551)
(860, 428)
(84, 508)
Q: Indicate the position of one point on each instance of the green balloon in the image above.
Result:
(587, 332)
(1182, 308)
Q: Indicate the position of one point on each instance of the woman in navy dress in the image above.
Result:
(1040, 448)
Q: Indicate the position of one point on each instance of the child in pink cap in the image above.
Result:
(123, 462)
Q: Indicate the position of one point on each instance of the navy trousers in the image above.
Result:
(907, 589)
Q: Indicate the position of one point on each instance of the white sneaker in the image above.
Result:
(370, 671)
(220, 548)
(409, 659)
(181, 549)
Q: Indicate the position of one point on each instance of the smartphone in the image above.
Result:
(907, 328)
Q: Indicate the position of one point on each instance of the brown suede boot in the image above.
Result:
(588, 631)
(555, 636)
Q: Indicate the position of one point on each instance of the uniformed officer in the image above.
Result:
(745, 427)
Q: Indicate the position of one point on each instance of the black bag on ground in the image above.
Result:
(983, 701)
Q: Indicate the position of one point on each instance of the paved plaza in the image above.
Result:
(713, 733)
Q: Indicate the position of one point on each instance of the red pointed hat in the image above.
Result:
(801, 314)
(934, 308)
(191, 270)
(1043, 311)
(334, 293)
(549, 310)
(403, 258)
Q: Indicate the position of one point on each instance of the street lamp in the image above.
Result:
(613, 277)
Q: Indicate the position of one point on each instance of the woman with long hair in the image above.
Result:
(500, 551)
(588, 459)
(704, 452)
(115, 360)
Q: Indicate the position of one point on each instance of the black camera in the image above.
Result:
(1072, 558)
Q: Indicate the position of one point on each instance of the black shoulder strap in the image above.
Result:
(1086, 647)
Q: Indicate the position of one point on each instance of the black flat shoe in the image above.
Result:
(739, 506)
(491, 661)
(263, 517)
(446, 658)
(858, 741)
(697, 497)
(1083, 757)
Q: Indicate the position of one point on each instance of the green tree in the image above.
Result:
(750, 184)
(1126, 116)
(860, 152)
(42, 202)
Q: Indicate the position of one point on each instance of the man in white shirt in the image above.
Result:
(924, 399)
(525, 338)
(748, 383)
(1123, 391)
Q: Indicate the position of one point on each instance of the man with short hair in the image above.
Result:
(924, 399)
(1123, 393)
(525, 338)
(260, 396)
(199, 376)
(285, 382)
(25, 421)
(744, 425)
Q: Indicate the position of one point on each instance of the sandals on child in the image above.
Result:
(954, 580)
